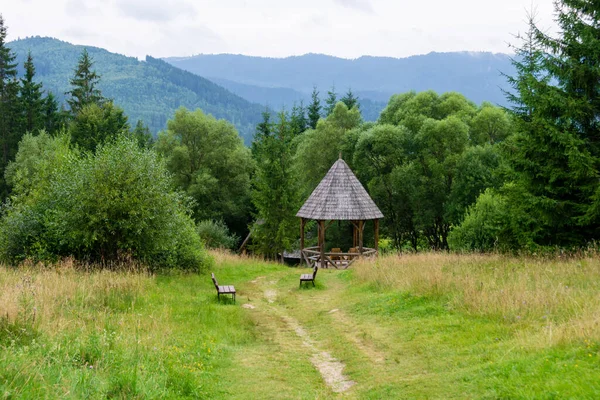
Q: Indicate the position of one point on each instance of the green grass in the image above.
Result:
(70, 334)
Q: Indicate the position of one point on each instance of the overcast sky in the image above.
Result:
(276, 28)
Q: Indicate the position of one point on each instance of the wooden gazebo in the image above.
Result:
(339, 197)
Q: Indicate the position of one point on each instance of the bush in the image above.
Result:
(216, 235)
(483, 225)
(115, 205)
(495, 222)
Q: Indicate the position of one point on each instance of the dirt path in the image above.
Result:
(330, 368)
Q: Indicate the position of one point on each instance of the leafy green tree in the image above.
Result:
(318, 149)
(421, 166)
(477, 169)
(40, 156)
(331, 101)
(31, 98)
(97, 123)
(490, 125)
(116, 204)
(314, 109)
(556, 154)
(274, 192)
(84, 82)
(211, 164)
(350, 100)
(378, 154)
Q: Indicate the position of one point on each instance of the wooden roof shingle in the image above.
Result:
(340, 196)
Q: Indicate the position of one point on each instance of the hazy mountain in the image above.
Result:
(476, 75)
(149, 90)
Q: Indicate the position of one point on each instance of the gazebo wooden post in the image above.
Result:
(376, 236)
(302, 225)
(361, 227)
(322, 242)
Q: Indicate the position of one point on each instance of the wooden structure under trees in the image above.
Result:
(339, 197)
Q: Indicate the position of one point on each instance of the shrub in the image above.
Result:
(482, 226)
(494, 222)
(114, 205)
(216, 235)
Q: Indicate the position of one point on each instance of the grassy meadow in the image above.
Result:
(413, 326)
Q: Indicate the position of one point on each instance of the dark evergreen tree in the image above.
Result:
(263, 131)
(142, 135)
(298, 121)
(10, 121)
(274, 193)
(331, 101)
(84, 82)
(31, 99)
(96, 124)
(53, 120)
(314, 109)
(350, 100)
(556, 155)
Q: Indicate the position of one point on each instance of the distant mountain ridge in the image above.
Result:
(476, 75)
(149, 90)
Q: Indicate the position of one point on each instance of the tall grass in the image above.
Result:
(560, 296)
(51, 298)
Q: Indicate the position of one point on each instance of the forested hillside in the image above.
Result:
(278, 98)
(150, 90)
(476, 75)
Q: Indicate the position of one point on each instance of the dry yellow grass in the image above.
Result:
(43, 295)
(558, 298)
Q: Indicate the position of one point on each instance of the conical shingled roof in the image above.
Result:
(340, 196)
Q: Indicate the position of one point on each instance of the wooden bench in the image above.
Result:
(309, 277)
(223, 289)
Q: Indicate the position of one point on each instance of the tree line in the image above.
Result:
(447, 174)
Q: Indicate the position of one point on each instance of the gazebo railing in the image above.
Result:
(312, 257)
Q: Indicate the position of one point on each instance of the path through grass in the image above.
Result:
(358, 334)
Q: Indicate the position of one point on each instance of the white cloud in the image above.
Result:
(155, 10)
(360, 5)
(276, 28)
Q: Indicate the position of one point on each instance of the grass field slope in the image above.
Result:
(434, 326)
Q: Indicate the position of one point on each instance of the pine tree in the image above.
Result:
(142, 135)
(350, 100)
(84, 84)
(331, 101)
(52, 117)
(10, 130)
(31, 98)
(298, 121)
(314, 109)
(528, 64)
(274, 193)
(556, 155)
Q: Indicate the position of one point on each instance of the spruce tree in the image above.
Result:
(298, 121)
(274, 193)
(84, 82)
(556, 155)
(52, 117)
(331, 101)
(142, 135)
(10, 130)
(350, 100)
(314, 109)
(31, 98)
